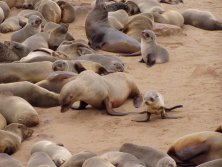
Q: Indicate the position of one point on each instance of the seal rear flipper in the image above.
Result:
(146, 119)
(172, 108)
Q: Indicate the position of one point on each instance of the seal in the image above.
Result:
(5, 8)
(31, 28)
(35, 95)
(68, 11)
(7, 160)
(77, 160)
(214, 163)
(11, 24)
(3, 122)
(122, 159)
(19, 111)
(102, 36)
(98, 162)
(137, 24)
(77, 66)
(57, 153)
(49, 9)
(39, 159)
(207, 146)
(201, 19)
(7, 55)
(14, 72)
(132, 8)
(110, 62)
(155, 105)
(14, 3)
(12, 136)
(148, 155)
(103, 93)
(2, 15)
(118, 19)
(56, 80)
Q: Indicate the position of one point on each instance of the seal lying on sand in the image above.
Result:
(7, 161)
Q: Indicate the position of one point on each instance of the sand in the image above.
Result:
(192, 77)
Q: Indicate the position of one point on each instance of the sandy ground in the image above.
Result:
(192, 77)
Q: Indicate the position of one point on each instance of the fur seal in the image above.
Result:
(122, 159)
(11, 24)
(14, 3)
(102, 36)
(155, 105)
(132, 8)
(7, 55)
(77, 160)
(12, 136)
(31, 28)
(49, 9)
(103, 93)
(35, 95)
(201, 19)
(57, 153)
(5, 8)
(98, 162)
(77, 66)
(169, 17)
(56, 80)
(7, 160)
(214, 163)
(207, 146)
(137, 24)
(19, 111)
(3, 122)
(68, 11)
(14, 72)
(40, 159)
(2, 15)
(74, 49)
(150, 156)
(118, 19)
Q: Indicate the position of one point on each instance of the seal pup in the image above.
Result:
(3, 122)
(78, 159)
(154, 102)
(40, 159)
(98, 162)
(213, 163)
(68, 11)
(7, 160)
(201, 19)
(49, 9)
(103, 93)
(77, 66)
(57, 153)
(122, 159)
(207, 146)
(7, 55)
(56, 80)
(110, 62)
(12, 136)
(35, 95)
(102, 36)
(31, 28)
(19, 110)
(148, 155)
(14, 72)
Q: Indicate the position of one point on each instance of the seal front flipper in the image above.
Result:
(151, 60)
(82, 106)
(142, 61)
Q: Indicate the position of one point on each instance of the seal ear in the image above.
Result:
(79, 67)
(137, 101)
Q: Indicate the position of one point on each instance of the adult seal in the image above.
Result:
(102, 36)
(40, 159)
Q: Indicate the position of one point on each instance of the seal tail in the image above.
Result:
(131, 54)
(172, 108)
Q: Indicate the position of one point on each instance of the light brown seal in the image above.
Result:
(103, 92)
(31, 28)
(11, 24)
(32, 72)
(19, 111)
(78, 159)
(40, 159)
(201, 19)
(3, 122)
(214, 163)
(150, 156)
(7, 160)
(102, 36)
(12, 136)
(7, 55)
(35, 95)
(118, 19)
(57, 153)
(122, 159)
(68, 11)
(98, 162)
(196, 148)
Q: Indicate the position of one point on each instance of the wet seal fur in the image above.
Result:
(103, 93)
